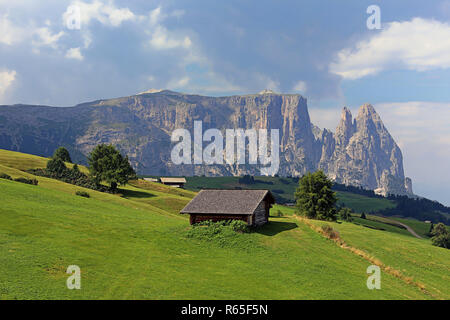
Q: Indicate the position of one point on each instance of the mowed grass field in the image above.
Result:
(134, 246)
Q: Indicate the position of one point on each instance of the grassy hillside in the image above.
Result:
(24, 161)
(135, 246)
(415, 258)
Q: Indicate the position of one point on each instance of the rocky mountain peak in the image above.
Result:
(361, 152)
(365, 154)
(367, 108)
(366, 114)
(345, 129)
(346, 114)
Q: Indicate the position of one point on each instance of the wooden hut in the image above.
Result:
(173, 182)
(251, 206)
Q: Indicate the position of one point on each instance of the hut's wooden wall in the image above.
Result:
(260, 214)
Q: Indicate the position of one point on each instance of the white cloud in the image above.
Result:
(178, 83)
(7, 78)
(117, 16)
(206, 83)
(74, 53)
(300, 86)
(107, 14)
(162, 39)
(266, 82)
(156, 16)
(418, 44)
(418, 123)
(46, 38)
(325, 118)
(9, 34)
(87, 39)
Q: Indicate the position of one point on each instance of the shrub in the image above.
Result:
(441, 236)
(56, 165)
(430, 232)
(345, 214)
(330, 232)
(363, 216)
(239, 226)
(247, 179)
(62, 154)
(5, 176)
(83, 194)
(442, 240)
(72, 176)
(27, 181)
(223, 233)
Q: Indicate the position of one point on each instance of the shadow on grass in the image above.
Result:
(275, 227)
(134, 194)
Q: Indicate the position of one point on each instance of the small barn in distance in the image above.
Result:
(251, 206)
(173, 182)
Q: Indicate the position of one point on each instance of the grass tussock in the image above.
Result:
(83, 194)
(5, 176)
(330, 233)
(33, 181)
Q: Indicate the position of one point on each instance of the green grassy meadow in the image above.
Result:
(416, 258)
(360, 203)
(134, 246)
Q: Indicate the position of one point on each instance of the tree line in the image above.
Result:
(106, 165)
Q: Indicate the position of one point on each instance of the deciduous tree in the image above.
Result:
(314, 197)
(107, 164)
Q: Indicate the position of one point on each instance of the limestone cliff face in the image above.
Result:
(361, 152)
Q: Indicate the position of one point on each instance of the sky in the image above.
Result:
(62, 53)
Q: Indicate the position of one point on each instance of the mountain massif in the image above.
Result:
(360, 152)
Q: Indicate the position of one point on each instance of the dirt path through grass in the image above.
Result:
(404, 226)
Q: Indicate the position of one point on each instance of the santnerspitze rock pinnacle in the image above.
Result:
(365, 154)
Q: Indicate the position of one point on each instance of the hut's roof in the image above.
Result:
(227, 201)
(173, 180)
